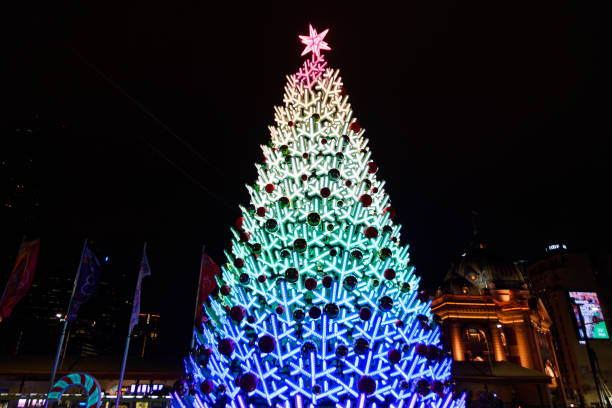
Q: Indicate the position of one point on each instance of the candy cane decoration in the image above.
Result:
(90, 384)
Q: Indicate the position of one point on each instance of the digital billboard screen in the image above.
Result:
(587, 304)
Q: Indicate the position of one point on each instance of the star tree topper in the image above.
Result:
(314, 42)
(312, 69)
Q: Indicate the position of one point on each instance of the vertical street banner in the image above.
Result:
(144, 271)
(21, 277)
(207, 283)
(89, 274)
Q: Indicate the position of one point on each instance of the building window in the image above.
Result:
(476, 344)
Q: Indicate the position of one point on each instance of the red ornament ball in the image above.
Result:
(267, 344)
(365, 313)
(239, 222)
(290, 123)
(355, 127)
(316, 389)
(394, 356)
(370, 232)
(206, 387)
(421, 350)
(327, 281)
(342, 91)
(244, 236)
(261, 211)
(269, 188)
(365, 200)
(361, 346)
(432, 352)
(348, 183)
(248, 382)
(341, 351)
(423, 387)
(221, 388)
(366, 385)
(226, 347)
(305, 155)
(237, 313)
(391, 212)
(389, 274)
(325, 192)
(261, 278)
(374, 190)
(237, 381)
(304, 177)
(372, 167)
(310, 283)
(239, 263)
(307, 348)
(314, 312)
(279, 310)
(225, 290)
(437, 386)
(251, 319)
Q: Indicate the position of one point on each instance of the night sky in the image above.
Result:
(497, 107)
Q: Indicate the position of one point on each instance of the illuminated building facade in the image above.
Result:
(499, 334)
(553, 278)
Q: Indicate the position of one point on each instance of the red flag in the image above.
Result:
(208, 283)
(21, 277)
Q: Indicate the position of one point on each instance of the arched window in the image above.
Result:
(504, 342)
(476, 347)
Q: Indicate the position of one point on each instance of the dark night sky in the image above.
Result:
(492, 106)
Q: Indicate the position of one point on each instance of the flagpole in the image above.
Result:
(61, 342)
(127, 342)
(125, 354)
(195, 312)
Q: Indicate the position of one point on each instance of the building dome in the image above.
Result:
(478, 269)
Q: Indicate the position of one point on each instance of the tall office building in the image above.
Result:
(568, 284)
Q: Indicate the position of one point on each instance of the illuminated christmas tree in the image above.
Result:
(318, 304)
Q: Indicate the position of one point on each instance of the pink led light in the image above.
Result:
(314, 42)
(312, 69)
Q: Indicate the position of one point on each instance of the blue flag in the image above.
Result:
(144, 271)
(89, 274)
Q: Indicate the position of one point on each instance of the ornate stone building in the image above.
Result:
(498, 332)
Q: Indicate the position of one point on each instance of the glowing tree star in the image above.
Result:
(318, 304)
(314, 42)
